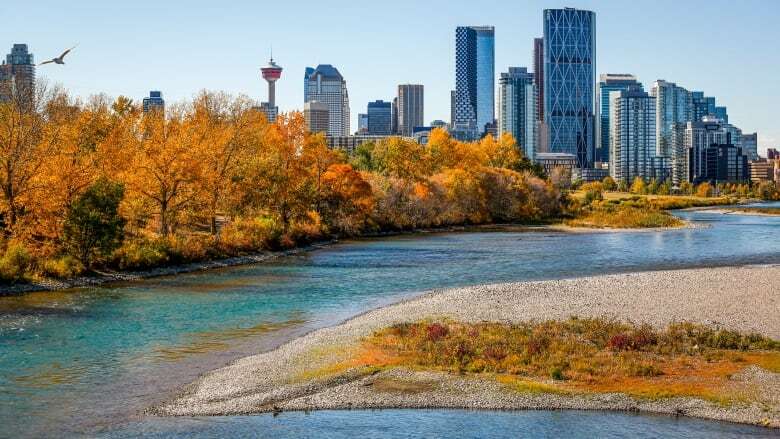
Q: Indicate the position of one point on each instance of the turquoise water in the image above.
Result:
(411, 424)
(85, 360)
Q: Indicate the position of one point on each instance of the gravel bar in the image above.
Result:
(743, 298)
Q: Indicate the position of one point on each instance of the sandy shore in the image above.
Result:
(739, 298)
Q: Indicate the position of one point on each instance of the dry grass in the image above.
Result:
(624, 217)
(577, 355)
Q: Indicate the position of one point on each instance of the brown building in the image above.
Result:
(539, 76)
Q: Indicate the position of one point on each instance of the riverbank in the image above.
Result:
(107, 277)
(305, 374)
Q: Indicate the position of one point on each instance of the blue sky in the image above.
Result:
(725, 48)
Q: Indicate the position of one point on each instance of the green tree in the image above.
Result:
(93, 227)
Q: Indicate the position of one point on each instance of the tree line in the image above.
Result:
(100, 184)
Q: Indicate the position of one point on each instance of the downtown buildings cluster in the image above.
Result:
(558, 112)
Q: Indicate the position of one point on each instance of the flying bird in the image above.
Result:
(59, 59)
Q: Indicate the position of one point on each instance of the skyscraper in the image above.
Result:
(632, 136)
(608, 83)
(154, 102)
(379, 118)
(517, 108)
(271, 73)
(17, 72)
(474, 80)
(569, 81)
(362, 123)
(325, 84)
(411, 108)
(539, 76)
(316, 116)
(750, 145)
(673, 106)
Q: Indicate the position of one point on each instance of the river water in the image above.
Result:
(87, 361)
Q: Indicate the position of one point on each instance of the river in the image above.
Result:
(87, 361)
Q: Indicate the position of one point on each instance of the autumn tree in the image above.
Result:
(347, 199)
(27, 141)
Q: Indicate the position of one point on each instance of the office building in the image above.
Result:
(569, 81)
(316, 115)
(608, 83)
(557, 162)
(154, 102)
(539, 76)
(632, 137)
(271, 73)
(362, 123)
(17, 73)
(672, 107)
(349, 144)
(411, 108)
(326, 85)
(698, 136)
(762, 170)
(517, 108)
(394, 115)
(439, 124)
(721, 163)
(722, 114)
(701, 106)
(380, 120)
(474, 107)
(772, 154)
(749, 144)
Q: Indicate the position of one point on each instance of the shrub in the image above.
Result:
(250, 235)
(437, 331)
(62, 267)
(704, 190)
(16, 263)
(556, 373)
(609, 183)
(142, 255)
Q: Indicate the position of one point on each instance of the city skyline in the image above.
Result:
(175, 67)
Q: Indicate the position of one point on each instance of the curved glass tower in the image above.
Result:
(474, 80)
(569, 82)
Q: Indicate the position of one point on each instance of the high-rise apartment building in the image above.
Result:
(673, 106)
(569, 81)
(411, 108)
(608, 83)
(632, 137)
(517, 108)
(380, 118)
(316, 116)
(154, 102)
(700, 135)
(326, 85)
(474, 80)
(17, 73)
(539, 76)
(701, 106)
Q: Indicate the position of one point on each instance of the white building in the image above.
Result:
(325, 84)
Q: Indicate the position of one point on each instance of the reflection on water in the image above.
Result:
(92, 355)
(209, 341)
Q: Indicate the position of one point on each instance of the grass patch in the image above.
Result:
(607, 215)
(579, 355)
(403, 387)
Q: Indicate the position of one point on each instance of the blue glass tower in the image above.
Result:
(474, 80)
(379, 118)
(569, 82)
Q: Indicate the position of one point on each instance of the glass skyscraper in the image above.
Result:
(17, 72)
(380, 120)
(474, 80)
(673, 106)
(569, 82)
(154, 102)
(517, 108)
(632, 137)
(609, 83)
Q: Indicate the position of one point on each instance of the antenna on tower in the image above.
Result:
(272, 52)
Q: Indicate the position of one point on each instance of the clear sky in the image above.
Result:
(729, 49)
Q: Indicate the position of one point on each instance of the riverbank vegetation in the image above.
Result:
(102, 185)
(580, 355)
(757, 210)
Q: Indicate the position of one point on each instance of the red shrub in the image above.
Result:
(437, 331)
(619, 342)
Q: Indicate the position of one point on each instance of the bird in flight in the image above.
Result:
(59, 59)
